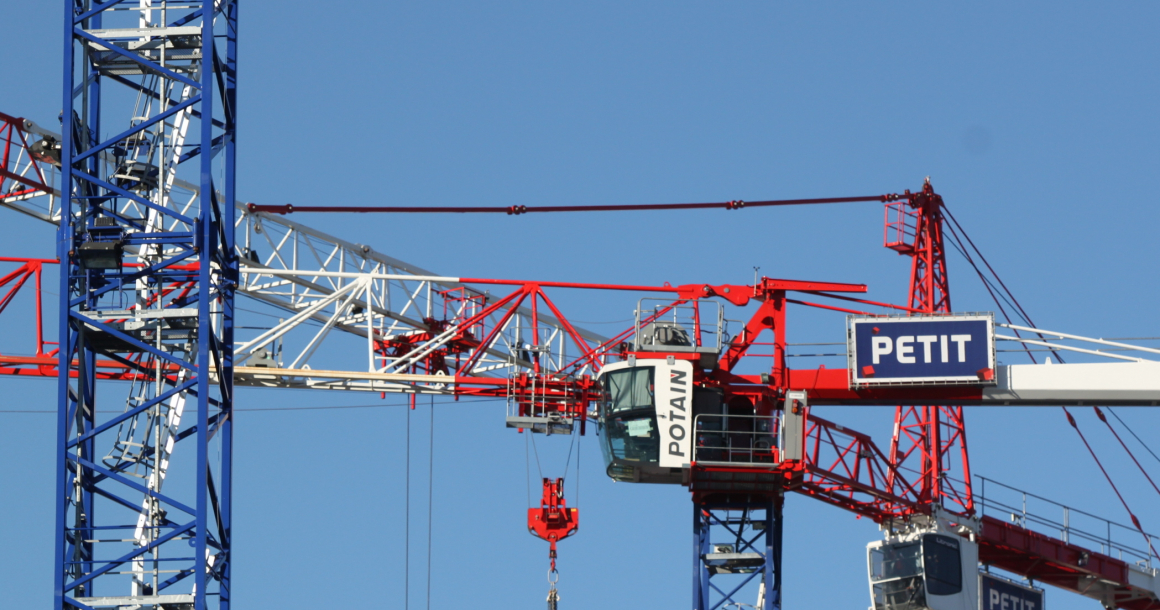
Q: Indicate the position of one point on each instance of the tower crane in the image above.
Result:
(150, 265)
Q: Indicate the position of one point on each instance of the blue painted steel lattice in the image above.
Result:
(148, 277)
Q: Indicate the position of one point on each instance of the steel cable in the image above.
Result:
(1130, 431)
(517, 210)
(430, 495)
(407, 516)
(1135, 521)
(528, 468)
(1005, 293)
(992, 270)
(1100, 414)
(536, 452)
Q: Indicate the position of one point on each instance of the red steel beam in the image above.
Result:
(1067, 566)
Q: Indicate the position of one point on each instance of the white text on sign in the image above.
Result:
(903, 348)
(1003, 601)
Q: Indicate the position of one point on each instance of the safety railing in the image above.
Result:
(901, 227)
(737, 440)
(1070, 525)
(692, 326)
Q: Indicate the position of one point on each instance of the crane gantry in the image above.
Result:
(150, 265)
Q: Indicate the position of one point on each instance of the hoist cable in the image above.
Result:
(430, 496)
(407, 515)
(578, 447)
(536, 452)
(1133, 433)
(528, 466)
(1100, 414)
(571, 444)
(1135, 521)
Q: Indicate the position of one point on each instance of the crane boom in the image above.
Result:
(426, 333)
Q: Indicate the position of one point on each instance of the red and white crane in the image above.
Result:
(744, 438)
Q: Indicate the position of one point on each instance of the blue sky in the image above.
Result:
(1037, 122)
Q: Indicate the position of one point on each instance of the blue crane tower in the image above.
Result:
(148, 275)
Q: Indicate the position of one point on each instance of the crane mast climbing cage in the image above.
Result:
(150, 265)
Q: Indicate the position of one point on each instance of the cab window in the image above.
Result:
(895, 561)
(628, 389)
(634, 439)
(942, 564)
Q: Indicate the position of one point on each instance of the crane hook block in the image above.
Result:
(553, 520)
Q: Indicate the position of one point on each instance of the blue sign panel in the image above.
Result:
(1001, 594)
(921, 350)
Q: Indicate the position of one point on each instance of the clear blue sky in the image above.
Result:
(1037, 121)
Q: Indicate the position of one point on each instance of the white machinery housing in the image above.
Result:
(924, 569)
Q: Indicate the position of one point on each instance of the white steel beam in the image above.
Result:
(1100, 383)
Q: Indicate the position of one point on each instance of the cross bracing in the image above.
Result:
(318, 279)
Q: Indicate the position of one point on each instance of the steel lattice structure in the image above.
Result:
(405, 315)
(151, 263)
(123, 538)
(933, 436)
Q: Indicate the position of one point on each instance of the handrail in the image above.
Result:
(716, 443)
(1066, 529)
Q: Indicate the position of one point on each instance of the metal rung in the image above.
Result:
(184, 312)
(733, 563)
(135, 600)
(143, 32)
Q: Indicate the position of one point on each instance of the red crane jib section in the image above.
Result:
(553, 520)
(41, 360)
(22, 160)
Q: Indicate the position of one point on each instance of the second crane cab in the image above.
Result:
(924, 571)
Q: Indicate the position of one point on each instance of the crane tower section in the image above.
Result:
(147, 281)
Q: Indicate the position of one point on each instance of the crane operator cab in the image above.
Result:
(924, 571)
(655, 421)
(645, 417)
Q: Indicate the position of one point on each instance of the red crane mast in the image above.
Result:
(928, 437)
